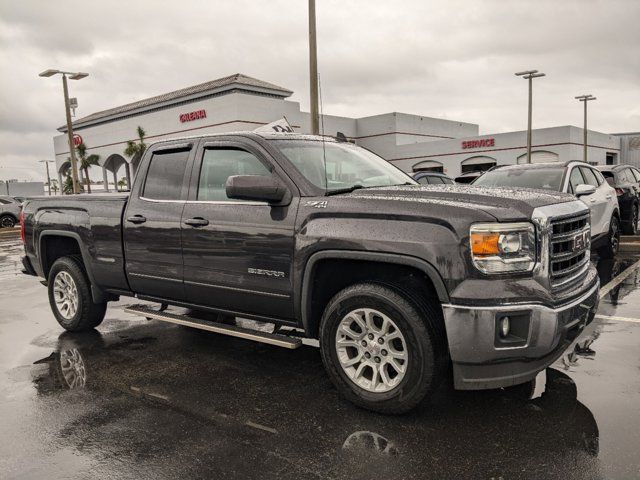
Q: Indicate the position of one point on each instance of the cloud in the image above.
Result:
(446, 58)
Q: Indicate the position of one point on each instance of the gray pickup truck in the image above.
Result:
(403, 285)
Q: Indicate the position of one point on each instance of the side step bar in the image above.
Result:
(231, 330)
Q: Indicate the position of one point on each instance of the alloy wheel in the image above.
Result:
(372, 350)
(65, 294)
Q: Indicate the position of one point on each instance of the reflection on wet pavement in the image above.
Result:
(150, 400)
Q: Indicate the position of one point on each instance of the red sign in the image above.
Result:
(77, 140)
(485, 142)
(191, 116)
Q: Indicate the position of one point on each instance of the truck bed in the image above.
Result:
(94, 221)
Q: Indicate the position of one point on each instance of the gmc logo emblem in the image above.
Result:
(581, 241)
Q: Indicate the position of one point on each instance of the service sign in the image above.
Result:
(191, 116)
(485, 142)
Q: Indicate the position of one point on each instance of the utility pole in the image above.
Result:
(72, 150)
(313, 69)
(530, 75)
(46, 162)
(585, 99)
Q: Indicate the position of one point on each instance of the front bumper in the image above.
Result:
(481, 362)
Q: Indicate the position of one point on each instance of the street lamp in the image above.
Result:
(73, 76)
(585, 99)
(47, 162)
(529, 75)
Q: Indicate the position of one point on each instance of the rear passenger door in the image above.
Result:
(238, 254)
(152, 236)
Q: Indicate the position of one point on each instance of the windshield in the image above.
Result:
(544, 178)
(347, 165)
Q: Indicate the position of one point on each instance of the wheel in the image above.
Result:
(632, 227)
(7, 221)
(610, 250)
(70, 296)
(378, 348)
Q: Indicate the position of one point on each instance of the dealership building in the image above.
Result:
(239, 102)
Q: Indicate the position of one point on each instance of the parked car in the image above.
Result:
(577, 178)
(432, 178)
(402, 286)
(9, 211)
(626, 181)
(467, 177)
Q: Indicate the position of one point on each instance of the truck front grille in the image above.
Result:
(567, 263)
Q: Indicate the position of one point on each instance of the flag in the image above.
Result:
(279, 126)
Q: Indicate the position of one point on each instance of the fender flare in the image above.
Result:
(392, 258)
(96, 292)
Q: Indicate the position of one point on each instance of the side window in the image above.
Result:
(218, 164)
(436, 180)
(423, 180)
(447, 181)
(589, 176)
(575, 179)
(627, 176)
(636, 174)
(599, 176)
(165, 175)
(4, 202)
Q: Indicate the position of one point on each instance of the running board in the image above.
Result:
(231, 330)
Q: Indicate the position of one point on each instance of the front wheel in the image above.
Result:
(632, 227)
(70, 296)
(379, 349)
(612, 246)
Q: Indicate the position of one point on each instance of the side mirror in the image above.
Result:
(255, 187)
(584, 189)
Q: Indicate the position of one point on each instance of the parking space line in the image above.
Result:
(619, 279)
(618, 319)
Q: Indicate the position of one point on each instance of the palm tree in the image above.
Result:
(86, 162)
(54, 186)
(122, 183)
(134, 150)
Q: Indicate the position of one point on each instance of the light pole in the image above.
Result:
(585, 99)
(529, 75)
(72, 153)
(47, 162)
(313, 69)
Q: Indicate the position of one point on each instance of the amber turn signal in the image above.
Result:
(485, 243)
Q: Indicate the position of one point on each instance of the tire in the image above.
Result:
(631, 228)
(402, 390)
(7, 221)
(68, 277)
(610, 250)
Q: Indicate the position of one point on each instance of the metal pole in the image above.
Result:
(585, 131)
(48, 177)
(313, 69)
(529, 119)
(72, 153)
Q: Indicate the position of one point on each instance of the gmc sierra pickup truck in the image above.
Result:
(403, 285)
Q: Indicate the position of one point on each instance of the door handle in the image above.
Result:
(197, 222)
(608, 197)
(593, 200)
(136, 219)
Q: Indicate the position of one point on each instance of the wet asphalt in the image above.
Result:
(147, 400)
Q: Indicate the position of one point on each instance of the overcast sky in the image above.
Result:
(442, 58)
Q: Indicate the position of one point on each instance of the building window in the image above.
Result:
(477, 164)
(428, 166)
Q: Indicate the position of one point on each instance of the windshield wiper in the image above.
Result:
(338, 191)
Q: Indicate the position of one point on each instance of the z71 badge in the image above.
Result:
(267, 273)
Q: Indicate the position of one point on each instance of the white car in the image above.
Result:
(577, 178)
(9, 211)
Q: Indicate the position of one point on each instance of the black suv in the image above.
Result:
(626, 180)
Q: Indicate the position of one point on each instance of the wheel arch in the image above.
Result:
(72, 244)
(393, 262)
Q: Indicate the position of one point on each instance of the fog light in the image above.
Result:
(505, 326)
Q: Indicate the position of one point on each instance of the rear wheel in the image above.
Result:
(70, 296)
(378, 348)
(612, 246)
(7, 221)
(631, 228)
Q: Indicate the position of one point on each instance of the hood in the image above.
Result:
(503, 203)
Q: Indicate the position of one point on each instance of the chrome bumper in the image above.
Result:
(482, 362)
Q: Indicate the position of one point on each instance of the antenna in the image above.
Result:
(324, 150)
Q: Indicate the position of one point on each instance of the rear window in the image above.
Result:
(543, 178)
(165, 175)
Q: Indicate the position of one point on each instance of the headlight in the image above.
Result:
(503, 247)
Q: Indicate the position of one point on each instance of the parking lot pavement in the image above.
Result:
(139, 399)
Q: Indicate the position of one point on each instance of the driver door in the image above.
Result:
(238, 254)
